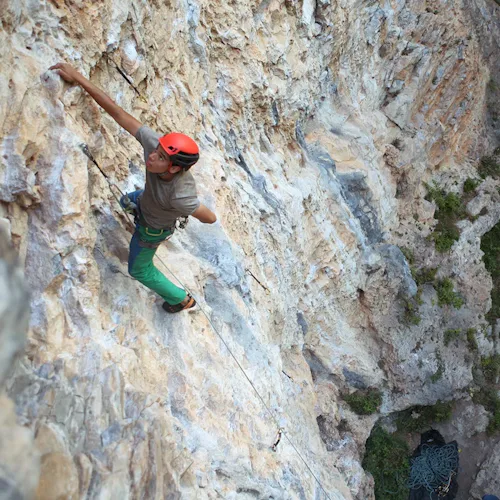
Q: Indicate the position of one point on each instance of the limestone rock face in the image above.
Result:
(487, 480)
(18, 461)
(319, 123)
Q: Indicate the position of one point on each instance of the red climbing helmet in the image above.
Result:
(183, 151)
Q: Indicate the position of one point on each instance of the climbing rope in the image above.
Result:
(434, 468)
(281, 431)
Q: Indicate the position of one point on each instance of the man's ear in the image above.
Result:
(174, 169)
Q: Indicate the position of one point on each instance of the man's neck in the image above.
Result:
(166, 177)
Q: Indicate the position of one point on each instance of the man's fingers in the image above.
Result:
(56, 66)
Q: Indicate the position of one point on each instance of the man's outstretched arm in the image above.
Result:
(204, 214)
(124, 119)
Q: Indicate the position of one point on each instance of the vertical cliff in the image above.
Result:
(320, 123)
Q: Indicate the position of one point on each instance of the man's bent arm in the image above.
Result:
(124, 119)
(204, 214)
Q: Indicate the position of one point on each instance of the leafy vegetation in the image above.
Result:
(488, 397)
(470, 185)
(494, 423)
(364, 402)
(450, 209)
(446, 294)
(489, 166)
(408, 253)
(491, 368)
(471, 339)
(423, 276)
(445, 238)
(411, 315)
(387, 459)
(421, 418)
(490, 245)
(438, 374)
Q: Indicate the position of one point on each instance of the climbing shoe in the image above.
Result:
(179, 307)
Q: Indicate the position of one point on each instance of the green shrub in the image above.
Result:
(470, 185)
(438, 374)
(446, 295)
(387, 459)
(488, 397)
(440, 370)
(411, 315)
(418, 296)
(444, 237)
(450, 209)
(489, 166)
(420, 418)
(494, 423)
(364, 402)
(408, 255)
(447, 203)
(471, 339)
(490, 245)
(423, 276)
(451, 204)
(450, 335)
(491, 367)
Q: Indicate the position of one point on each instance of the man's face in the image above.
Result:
(159, 162)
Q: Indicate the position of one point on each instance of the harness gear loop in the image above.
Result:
(149, 233)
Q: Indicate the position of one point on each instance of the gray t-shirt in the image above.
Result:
(163, 202)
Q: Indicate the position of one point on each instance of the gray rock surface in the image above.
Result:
(487, 480)
(18, 461)
(319, 123)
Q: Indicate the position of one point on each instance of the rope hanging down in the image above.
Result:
(281, 431)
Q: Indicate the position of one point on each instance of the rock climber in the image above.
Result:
(169, 193)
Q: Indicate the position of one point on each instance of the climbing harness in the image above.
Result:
(434, 468)
(281, 431)
(131, 207)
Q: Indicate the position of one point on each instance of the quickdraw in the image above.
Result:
(253, 276)
(126, 78)
(181, 222)
(278, 439)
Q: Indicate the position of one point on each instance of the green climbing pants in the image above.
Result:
(143, 246)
